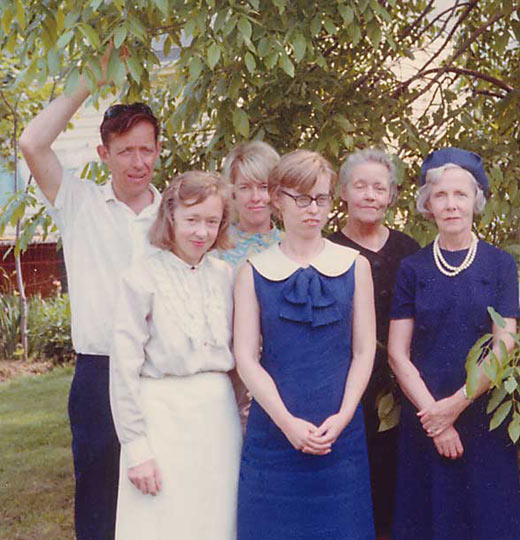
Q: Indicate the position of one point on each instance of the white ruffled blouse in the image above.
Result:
(171, 319)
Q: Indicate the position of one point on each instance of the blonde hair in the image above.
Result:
(433, 176)
(300, 170)
(252, 161)
(189, 189)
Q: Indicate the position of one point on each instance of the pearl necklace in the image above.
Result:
(446, 268)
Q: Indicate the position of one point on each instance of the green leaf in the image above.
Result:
(135, 68)
(116, 69)
(195, 67)
(163, 5)
(354, 33)
(190, 27)
(391, 420)
(496, 317)
(119, 36)
(72, 17)
(514, 428)
(347, 13)
(374, 33)
(330, 26)
(472, 379)
(385, 405)
(316, 25)
(299, 45)
(264, 47)
(213, 55)
(492, 368)
(503, 352)
(245, 27)
(497, 396)
(241, 122)
(220, 20)
(285, 63)
(136, 27)
(234, 86)
(7, 20)
(362, 5)
(271, 59)
(510, 385)
(90, 35)
(53, 62)
(72, 81)
(478, 350)
(65, 39)
(250, 61)
(20, 14)
(500, 415)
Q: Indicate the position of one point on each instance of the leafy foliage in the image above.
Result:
(331, 76)
(503, 372)
(48, 328)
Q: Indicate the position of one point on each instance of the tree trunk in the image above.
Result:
(18, 254)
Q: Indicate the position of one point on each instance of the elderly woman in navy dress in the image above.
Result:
(304, 470)
(456, 479)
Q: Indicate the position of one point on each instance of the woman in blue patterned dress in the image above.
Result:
(304, 471)
(456, 479)
(247, 169)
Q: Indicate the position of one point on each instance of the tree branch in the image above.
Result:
(450, 35)
(440, 71)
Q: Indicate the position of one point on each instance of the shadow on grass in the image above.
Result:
(37, 482)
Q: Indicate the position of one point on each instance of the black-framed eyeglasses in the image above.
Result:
(119, 108)
(302, 201)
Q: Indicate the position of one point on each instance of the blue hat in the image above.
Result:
(463, 158)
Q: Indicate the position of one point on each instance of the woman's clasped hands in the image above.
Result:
(437, 420)
(311, 439)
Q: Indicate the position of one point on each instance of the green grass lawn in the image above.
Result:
(36, 475)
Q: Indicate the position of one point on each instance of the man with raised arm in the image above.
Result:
(103, 229)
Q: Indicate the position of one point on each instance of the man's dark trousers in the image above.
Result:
(95, 448)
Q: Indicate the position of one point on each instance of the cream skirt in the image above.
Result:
(194, 431)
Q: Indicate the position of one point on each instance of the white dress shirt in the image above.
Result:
(171, 319)
(101, 237)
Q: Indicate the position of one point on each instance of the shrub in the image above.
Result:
(9, 325)
(48, 327)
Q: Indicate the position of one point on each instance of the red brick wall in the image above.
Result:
(42, 267)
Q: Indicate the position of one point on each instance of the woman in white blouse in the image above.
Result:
(172, 398)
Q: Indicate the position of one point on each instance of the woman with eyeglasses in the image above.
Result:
(304, 470)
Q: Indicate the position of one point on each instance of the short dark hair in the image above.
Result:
(121, 118)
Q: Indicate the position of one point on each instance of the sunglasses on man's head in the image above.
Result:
(120, 108)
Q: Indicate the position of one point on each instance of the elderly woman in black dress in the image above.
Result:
(368, 187)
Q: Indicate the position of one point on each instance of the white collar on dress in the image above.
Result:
(332, 261)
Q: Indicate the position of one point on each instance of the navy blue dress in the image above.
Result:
(285, 494)
(476, 497)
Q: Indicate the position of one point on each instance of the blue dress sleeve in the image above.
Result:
(403, 298)
(507, 298)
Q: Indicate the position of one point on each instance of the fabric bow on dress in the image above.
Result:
(308, 299)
